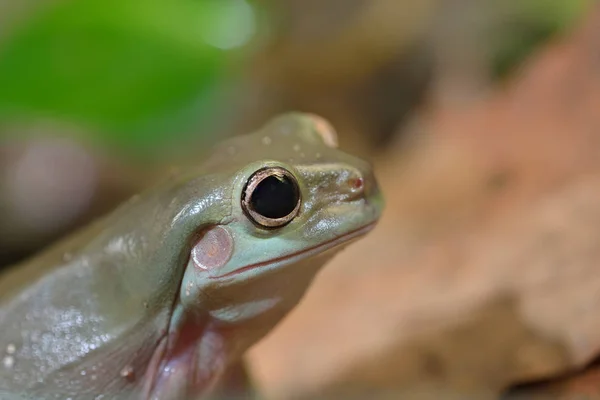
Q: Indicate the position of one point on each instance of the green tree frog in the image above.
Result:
(157, 299)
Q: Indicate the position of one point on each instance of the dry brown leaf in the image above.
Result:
(486, 269)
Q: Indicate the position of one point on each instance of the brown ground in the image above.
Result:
(487, 271)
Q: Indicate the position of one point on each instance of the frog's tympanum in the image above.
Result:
(158, 298)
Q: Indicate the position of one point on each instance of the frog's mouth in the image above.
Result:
(308, 252)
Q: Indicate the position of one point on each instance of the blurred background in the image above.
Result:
(481, 118)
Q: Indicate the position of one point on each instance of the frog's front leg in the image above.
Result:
(188, 363)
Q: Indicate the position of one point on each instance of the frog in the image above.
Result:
(160, 297)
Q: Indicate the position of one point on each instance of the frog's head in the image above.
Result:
(292, 199)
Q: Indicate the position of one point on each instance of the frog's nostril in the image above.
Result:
(356, 187)
(356, 183)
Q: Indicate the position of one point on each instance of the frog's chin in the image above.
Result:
(302, 254)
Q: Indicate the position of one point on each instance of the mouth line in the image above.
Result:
(314, 249)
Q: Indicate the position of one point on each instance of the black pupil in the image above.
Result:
(275, 197)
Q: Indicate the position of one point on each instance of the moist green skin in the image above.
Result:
(114, 296)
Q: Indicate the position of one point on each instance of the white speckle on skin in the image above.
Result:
(83, 373)
(188, 288)
(11, 349)
(8, 362)
(266, 140)
(127, 372)
(118, 245)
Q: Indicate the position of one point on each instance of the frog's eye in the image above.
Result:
(271, 197)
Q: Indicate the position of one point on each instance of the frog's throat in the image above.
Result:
(290, 258)
(191, 358)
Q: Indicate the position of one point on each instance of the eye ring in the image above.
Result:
(271, 198)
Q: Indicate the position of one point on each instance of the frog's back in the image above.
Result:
(17, 277)
(69, 324)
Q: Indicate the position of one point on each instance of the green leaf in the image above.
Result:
(138, 70)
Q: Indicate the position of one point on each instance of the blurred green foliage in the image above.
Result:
(527, 25)
(140, 75)
(140, 72)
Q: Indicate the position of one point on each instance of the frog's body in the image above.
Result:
(157, 299)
